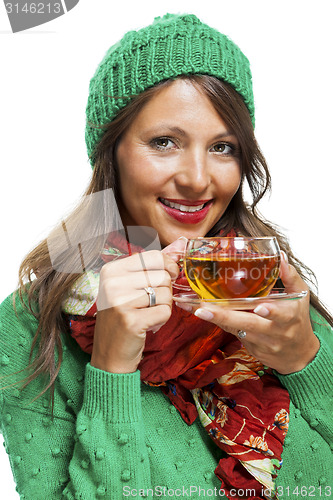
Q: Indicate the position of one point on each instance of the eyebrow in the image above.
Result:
(161, 128)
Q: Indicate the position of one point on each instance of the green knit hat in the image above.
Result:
(173, 45)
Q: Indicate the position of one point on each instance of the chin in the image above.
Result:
(166, 240)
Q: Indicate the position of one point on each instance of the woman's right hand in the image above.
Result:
(123, 312)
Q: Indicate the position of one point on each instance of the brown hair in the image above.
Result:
(46, 292)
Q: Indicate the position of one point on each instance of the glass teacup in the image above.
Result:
(232, 267)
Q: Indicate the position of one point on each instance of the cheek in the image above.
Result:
(228, 181)
(139, 182)
(130, 170)
(139, 173)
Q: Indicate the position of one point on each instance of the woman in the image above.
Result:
(169, 134)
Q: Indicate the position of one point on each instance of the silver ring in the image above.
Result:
(152, 296)
(241, 334)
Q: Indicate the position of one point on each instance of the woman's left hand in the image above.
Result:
(278, 334)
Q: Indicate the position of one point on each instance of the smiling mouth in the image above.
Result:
(189, 213)
(183, 208)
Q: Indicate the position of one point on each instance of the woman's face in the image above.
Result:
(178, 165)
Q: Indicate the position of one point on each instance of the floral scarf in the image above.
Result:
(206, 373)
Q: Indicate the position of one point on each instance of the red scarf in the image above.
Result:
(207, 372)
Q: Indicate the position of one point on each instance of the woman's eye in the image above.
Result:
(221, 147)
(163, 143)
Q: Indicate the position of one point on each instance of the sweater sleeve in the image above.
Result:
(311, 388)
(95, 444)
(110, 452)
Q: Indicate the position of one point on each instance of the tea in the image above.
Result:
(232, 277)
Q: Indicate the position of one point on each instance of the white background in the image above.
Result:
(45, 74)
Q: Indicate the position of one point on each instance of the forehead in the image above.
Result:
(181, 103)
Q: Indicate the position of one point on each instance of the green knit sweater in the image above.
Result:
(113, 437)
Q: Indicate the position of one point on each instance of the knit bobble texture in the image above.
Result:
(171, 46)
(119, 434)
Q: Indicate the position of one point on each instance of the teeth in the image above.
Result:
(182, 208)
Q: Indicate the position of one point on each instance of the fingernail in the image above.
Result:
(284, 256)
(186, 307)
(261, 311)
(175, 256)
(182, 238)
(155, 329)
(204, 314)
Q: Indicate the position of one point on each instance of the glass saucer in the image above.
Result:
(191, 298)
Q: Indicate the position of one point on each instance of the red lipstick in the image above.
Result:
(187, 203)
(187, 217)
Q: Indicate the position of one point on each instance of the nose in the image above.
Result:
(193, 172)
